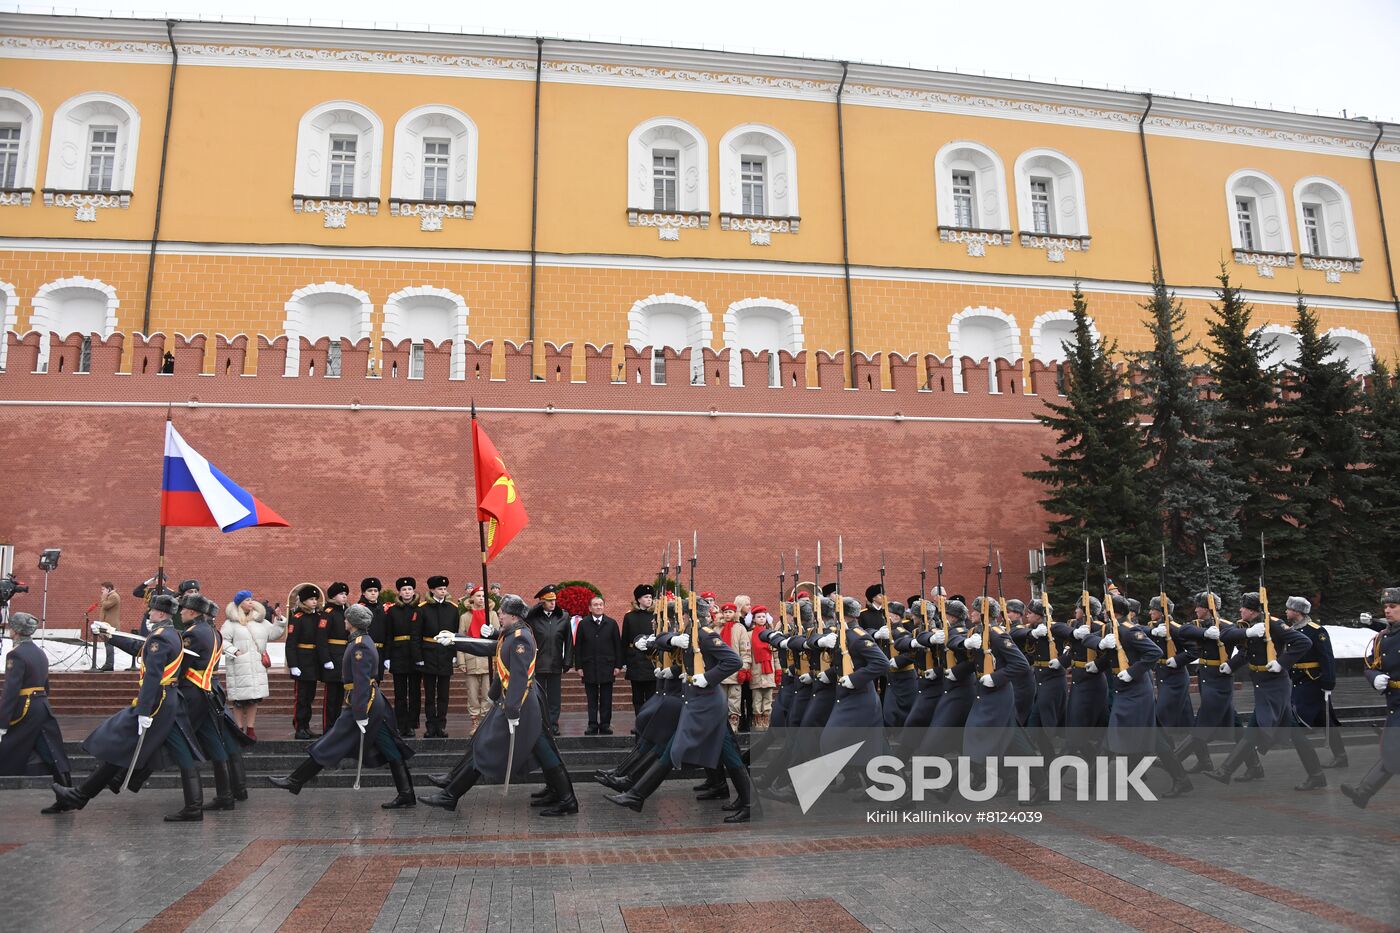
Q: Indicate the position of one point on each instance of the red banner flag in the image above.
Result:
(497, 500)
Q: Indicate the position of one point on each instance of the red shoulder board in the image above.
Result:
(323, 623)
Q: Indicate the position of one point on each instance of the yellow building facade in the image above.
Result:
(197, 177)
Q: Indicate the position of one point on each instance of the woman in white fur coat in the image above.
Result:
(247, 629)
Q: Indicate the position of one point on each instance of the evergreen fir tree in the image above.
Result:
(1196, 501)
(1093, 472)
(1381, 474)
(1247, 416)
(1320, 412)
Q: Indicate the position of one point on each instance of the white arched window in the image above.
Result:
(74, 306)
(426, 313)
(970, 196)
(331, 310)
(434, 170)
(1326, 230)
(338, 161)
(1258, 221)
(21, 121)
(92, 154)
(674, 322)
(1354, 348)
(1279, 346)
(1052, 334)
(982, 333)
(758, 182)
(1050, 209)
(759, 325)
(9, 318)
(668, 177)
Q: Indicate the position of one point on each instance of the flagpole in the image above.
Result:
(480, 525)
(164, 484)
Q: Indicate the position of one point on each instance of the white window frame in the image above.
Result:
(990, 203)
(1247, 221)
(753, 183)
(70, 139)
(698, 330)
(780, 181)
(11, 153)
(434, 121)
(790, 335)
(1337, 227)
(338, 117)
(668, 134)
(20, 110)
(964, 199)
(665, 180)
(395, 328)
(303, 300)
(1312, 218)
(46, 308)
(339, 147)
(1068, 210)
(437, 168)
(1272, 231)
(1042, 198)
(1009, 347)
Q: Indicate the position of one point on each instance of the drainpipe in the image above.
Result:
(845, 233)
(535, 202)
(1151, 202)
(160, 184)
(1380, 208)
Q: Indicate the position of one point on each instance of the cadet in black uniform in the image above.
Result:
(301, 656)
(30, 740)
(365, 727)
(379, 623)
(1314, 679)
(639, 622)
(1383, 673)
(437, 613)
(406, 656)
(332, 635)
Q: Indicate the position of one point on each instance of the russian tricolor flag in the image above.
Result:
(193, 493)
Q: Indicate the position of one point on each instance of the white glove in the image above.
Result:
(1092, 667)
(699, 681)
(2, 733)
(296, 671)
(1108, 642)
(417, 663)
(823, 677)
(640, 644)
(488, 630)
(1159, 631)
(1054, 664)
(511, 724)
(680, 640)
(363, 724)
(329, 665)
(1380, 681)
(937, 636)
(143, 723)
(1213, 633)
(656, 672)
(973, 641)
(805, 679)
(931, 674)
(827, 641)
(100, 628)
(894, 663)
(1171, 662)
(667, 673)
(1039, 631)
(882, 633)
(782, 645)
(1365, 618)
(1225, 667)
(1081, 632)
(1273, 667)
(986, 680)
(1125, 676)
(386, 664)
(846, 682)
(950, 675)
(444, 638)
(1255, 631)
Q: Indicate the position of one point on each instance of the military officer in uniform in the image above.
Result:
(1215, 680)
(153, 729)
(855, 704)
(406, 655)
(928, 663)
(437, 614)
(512, 736)
(379, 624)
(30, 740)
(639, 622)
(203, 646)
(1383, 673)
(1172, 673)
(1314, 679)
(555, 643)
(301, 656)
(332, 635)
(901, 679)
(991, 717)
(366, 731)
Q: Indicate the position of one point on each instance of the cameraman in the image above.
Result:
(109, 605)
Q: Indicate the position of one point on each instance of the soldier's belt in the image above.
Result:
(32, 692)
(1395, 684)
(337, 641)
(1260, 668)
(302, 644)
(1042, 663)
(1307, 665)
(402, 637)
(1211, 663)
(1080, 663)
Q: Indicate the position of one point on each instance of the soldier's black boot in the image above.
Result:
(403, 783)
(1373, 781)
(743, 795)
(293, 782)
(61, 779)
(193, 810)
(238, 777)
(623, 780)
(1316, 779)
(1338, 748)
(646, 785)
(718, 789)
(714, 777)
(223, 788)
(564, 800)
(75, 798)
(442, 780)
(1232, 761)
(1253, 767)
(1198, 747)
(547, 796)
(460, 782)
(622, 767)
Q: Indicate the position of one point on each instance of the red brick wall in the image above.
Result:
(387, 492)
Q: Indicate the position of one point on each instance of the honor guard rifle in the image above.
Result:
(949, 662)
(693, 655)
(782, 599)
(1045, 604)
(885, 599)
(1001, 596)
(1270, 652)
(1112, 613)
(923, 607)
(1220, 650)
(1162, 598)
(989, 663)
(843, 651)
(1089, 653)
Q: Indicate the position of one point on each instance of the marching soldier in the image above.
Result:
(365, 730)
(1216, 717)
(1088, 693)
(1383, 673)
(149, 732)
(1023, 681)
(513, 736)
(855, 704)
(991, 717)
(437, 614)
(1051, 688)
(930, 678)
(901, 679)
(203, 646)
(958, 665)
(1172, 674)
(405, 661)
(301, 656)
(30, 740)
(1273, 708)
(1314, 679)
(332, 635)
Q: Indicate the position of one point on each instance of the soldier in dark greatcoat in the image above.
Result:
(655, 722)
(991, 717)
(901, 679)
(1383, 674)
(365, 732)
(406, 655)
(153, 730)
(928, 661)
(30, 740)
(1314, 679)
(1215, 681)
(301, 656)
(332, 635)
(1172, 673)
(437, 613)
(856, 705)
(512, 737)
(214, 732)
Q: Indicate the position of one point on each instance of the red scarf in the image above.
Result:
(762, 651)
(478, 620)
(725, 630)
